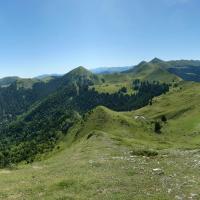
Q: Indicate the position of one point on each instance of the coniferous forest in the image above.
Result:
(39, 130)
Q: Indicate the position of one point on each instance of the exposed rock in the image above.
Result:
(158, 171)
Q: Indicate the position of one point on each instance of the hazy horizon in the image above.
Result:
(90, 68)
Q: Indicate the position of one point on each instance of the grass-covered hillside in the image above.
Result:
(155, 70)
(182, 109)
(47, 121)
(177, 112)
(17, 95)
(130, 135)
(118, 155)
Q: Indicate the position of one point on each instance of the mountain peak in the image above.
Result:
(156, 60)
(80, 75)
(80, 70)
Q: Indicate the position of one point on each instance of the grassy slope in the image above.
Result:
(182, 109)
(154, 71)
(99, 164)
(114, 82)
(151, 71)
(99, 168)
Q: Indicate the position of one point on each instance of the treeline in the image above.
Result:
(17, 98)
(121, 101)
(39, 130)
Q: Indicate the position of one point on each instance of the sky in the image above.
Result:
(55, 36)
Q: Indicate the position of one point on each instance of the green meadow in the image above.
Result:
(117, 155)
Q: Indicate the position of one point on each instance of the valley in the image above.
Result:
(126, 135)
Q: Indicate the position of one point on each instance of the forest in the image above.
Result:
(38, 130)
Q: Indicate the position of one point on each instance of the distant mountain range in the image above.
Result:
(185, 69)
(37, 112)
(188, 70)
(110, 70)
(44, 76)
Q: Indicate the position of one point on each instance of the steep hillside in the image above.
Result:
(22, 93)
(188, 70)
(155, 70)
(80, 75)
(6, 81)
(40, 128)
(117, 155)
(68, 145)
(181, 108)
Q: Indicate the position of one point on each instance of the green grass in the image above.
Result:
(114, 82)
(144, 72)
(181, 107)
(113, 87)
(99, 168)
(153, 72)
(116, 155)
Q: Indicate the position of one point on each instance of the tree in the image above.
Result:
(150, 102)
(157, 127)
(164, 119)
(2, 158)
(123, 90)
(103, 80)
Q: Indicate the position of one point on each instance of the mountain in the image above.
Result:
(48, 77)
(73, 127)
(38, 129)
(119, 150)
(188, 70)
(5, 82)
(17, 95)
(21, 94)
(46, 119)
(110, 70)
(80, 74)
(155, 70)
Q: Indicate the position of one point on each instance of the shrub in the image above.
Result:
(157, 127)
(164, 118)
(144, 152)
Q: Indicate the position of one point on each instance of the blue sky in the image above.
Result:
(54, 36)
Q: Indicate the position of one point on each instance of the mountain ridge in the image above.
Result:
(44, 111)
(75, 128)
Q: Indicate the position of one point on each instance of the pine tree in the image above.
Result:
(164, 119)
(157, 127)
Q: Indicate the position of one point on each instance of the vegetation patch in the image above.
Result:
(90, 135)
(144, 152)
(67, 184)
